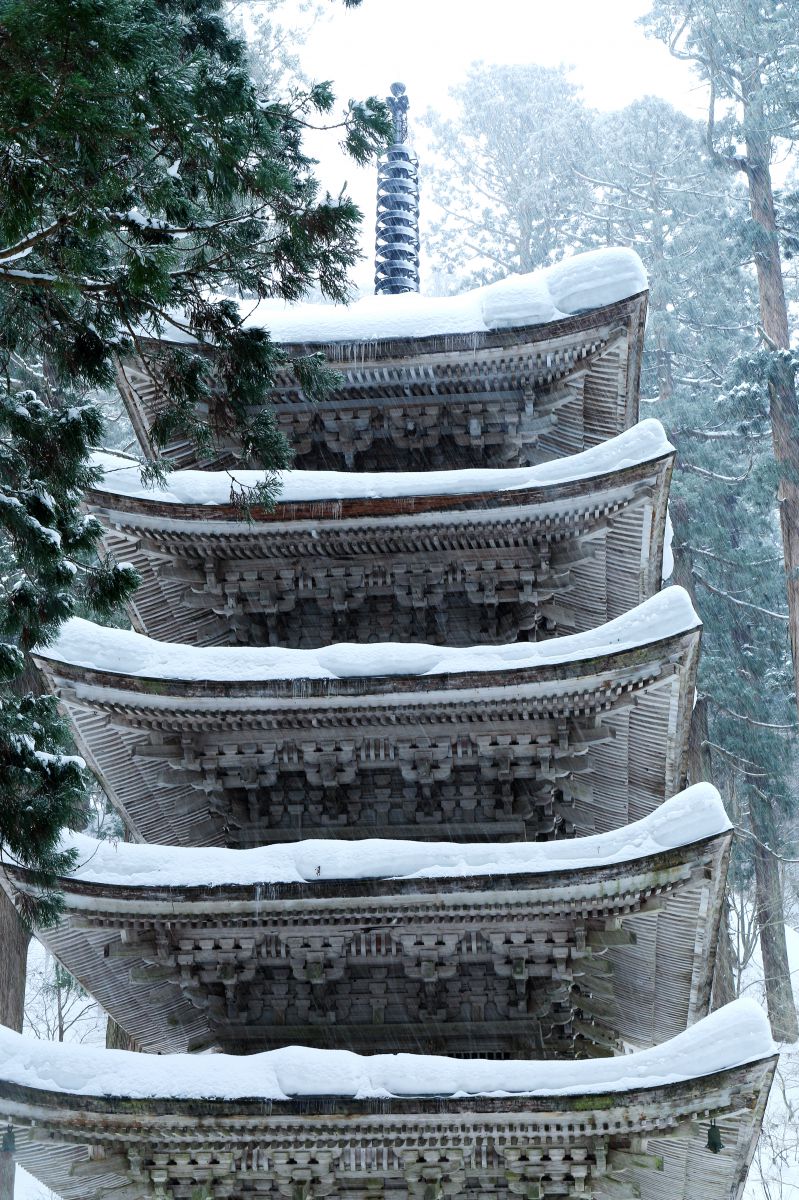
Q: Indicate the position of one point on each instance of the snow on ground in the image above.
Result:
(736, 1034)
(125, 652)
(692, 815)
(643, 443)
(582, 282)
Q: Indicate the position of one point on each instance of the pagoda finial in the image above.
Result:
(397, 249)
(398, 106)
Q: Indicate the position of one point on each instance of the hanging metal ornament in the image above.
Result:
(714, 1142)
(9, 1141)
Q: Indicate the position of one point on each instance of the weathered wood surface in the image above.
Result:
(562, 964)
(522, 564)
(535, 752)
(502, 398)
(647, 1144)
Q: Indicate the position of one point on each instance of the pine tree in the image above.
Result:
(505, 179)
(747, 53)
(145, 178)
(51, 569)
(142, 175)
(654, 190)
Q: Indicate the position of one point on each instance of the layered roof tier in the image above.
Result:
(457, 557)
(303, 1122)
(565, 949)
(202, 746)
(535, 367)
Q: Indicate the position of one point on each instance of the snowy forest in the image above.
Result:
(196, 183)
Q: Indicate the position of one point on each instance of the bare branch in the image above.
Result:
(767, 612)
(738, 761)
(738, 564)
(752, 837)
(748, 720)
(715, 475)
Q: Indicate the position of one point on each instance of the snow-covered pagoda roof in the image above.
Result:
(575, 285)
(691, 816)
(531, 368)
(585, 920)
(194, 493)
(88, 1119)
(354, 669)
(454, 556)
(221, 744)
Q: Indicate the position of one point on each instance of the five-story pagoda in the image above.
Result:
(402, 760)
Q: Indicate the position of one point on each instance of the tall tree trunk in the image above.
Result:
(771, 927)
(14, 942)
(700, 762)
(785, 437)
(14, 939)
(700, 770)
(657, 250)
(782, 394)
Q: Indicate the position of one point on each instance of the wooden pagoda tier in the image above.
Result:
(560, 949)
(454, 557)
(302, 1123)
(478, 382)
(205, 746)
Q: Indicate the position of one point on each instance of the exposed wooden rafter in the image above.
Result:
(577, 746)
(487, 567)
(648, 1142)
(498, 398)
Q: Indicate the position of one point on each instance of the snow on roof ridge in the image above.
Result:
(580, 282)
(642, 443)
(574, 285)
(730, 1037)
(125, 652)
(688, 817)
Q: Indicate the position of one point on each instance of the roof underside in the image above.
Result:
(497, 398)
(486, 568)
(562, 964)
(638, 1145)
(501, 755)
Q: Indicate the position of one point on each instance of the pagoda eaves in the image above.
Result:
(535, 367)
(467, 557)
(301, 1122)
(503, 942)
(571, 949)
(577, 734)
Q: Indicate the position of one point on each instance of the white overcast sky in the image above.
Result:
(430, 44)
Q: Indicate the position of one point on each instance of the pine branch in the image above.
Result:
(720, 435)
(731, 562)
(738, 761)
(26, 244)
(53, 282)
(752, 837)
